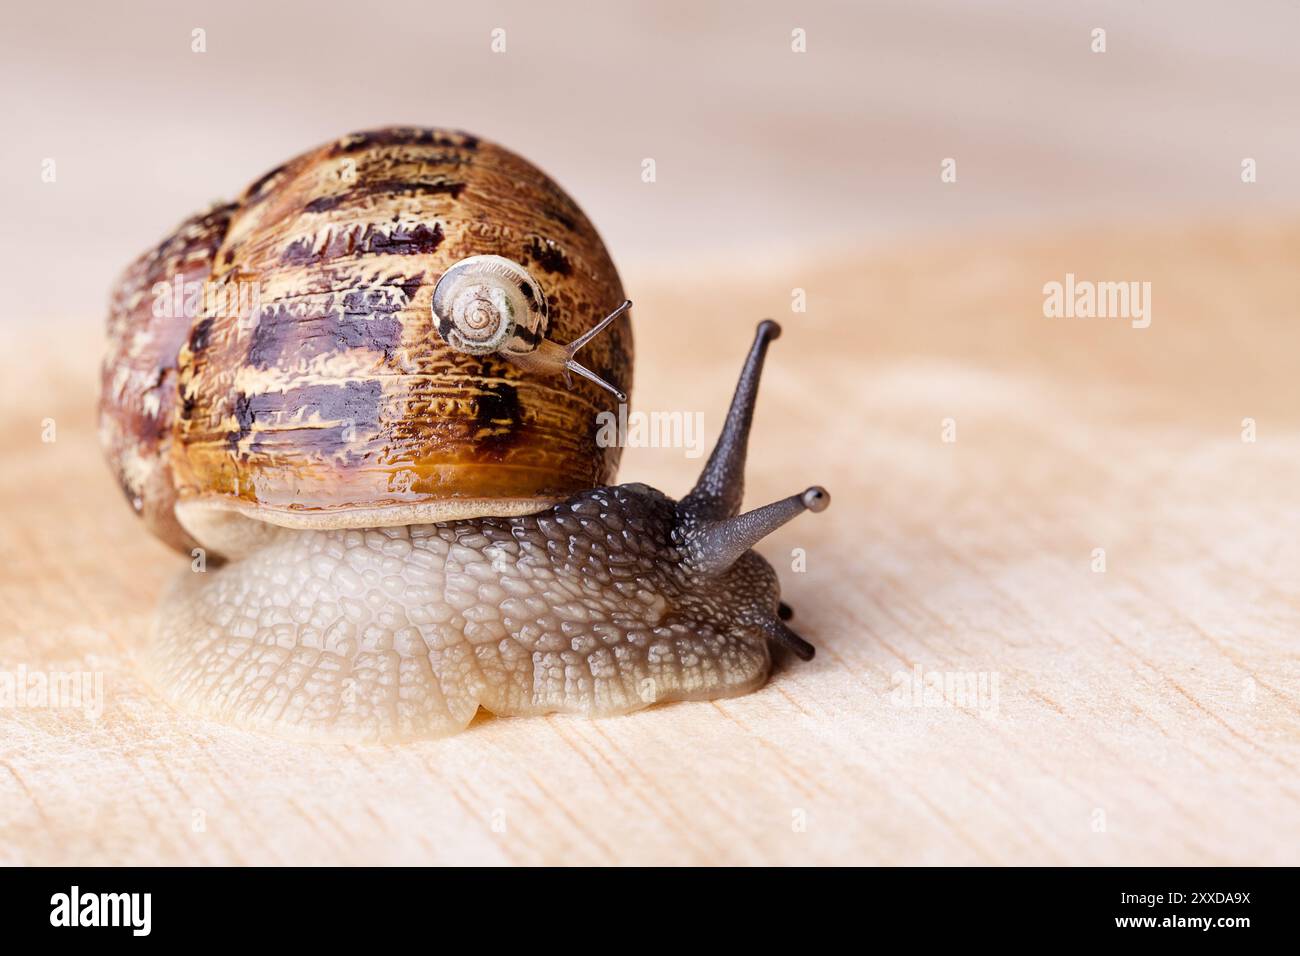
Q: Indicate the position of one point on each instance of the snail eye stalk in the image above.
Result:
(713, 545)
(712, 533)
(570, 365)
(721, 486)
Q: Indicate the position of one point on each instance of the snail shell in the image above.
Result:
(335, 402)
(138, 380)
(490, 304)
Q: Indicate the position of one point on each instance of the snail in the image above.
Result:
(400, 485)
(490, 304)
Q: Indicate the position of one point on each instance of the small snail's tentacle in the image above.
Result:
(572, 348)
(713, 546)
(721, 485)
(589, 375)
(552, 359)
(777, 631)
(595, 330)
(784, 611)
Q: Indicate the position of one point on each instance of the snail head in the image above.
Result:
(716, 576)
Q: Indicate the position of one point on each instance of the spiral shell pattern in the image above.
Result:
(489, 304)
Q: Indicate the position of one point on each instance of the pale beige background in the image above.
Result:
(758, 150)
(1161, 698)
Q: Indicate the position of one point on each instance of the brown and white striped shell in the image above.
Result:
(326, 396)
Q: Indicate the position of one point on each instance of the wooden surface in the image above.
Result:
(1144, 714)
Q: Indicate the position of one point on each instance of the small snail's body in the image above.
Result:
(356, 605)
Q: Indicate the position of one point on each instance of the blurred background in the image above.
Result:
(764, 157)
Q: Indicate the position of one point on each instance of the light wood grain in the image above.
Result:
(1147, 714)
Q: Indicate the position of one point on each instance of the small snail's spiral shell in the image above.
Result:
(489, 304)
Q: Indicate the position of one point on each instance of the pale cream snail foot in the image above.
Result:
(403, 633)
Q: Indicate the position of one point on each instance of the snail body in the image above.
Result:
(403, 476)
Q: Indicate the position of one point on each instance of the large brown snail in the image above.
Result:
(397, 459)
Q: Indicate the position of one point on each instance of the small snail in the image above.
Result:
(488, 304)
(413, 511)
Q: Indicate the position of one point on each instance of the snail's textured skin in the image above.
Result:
(400, 633)
(336, 400)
